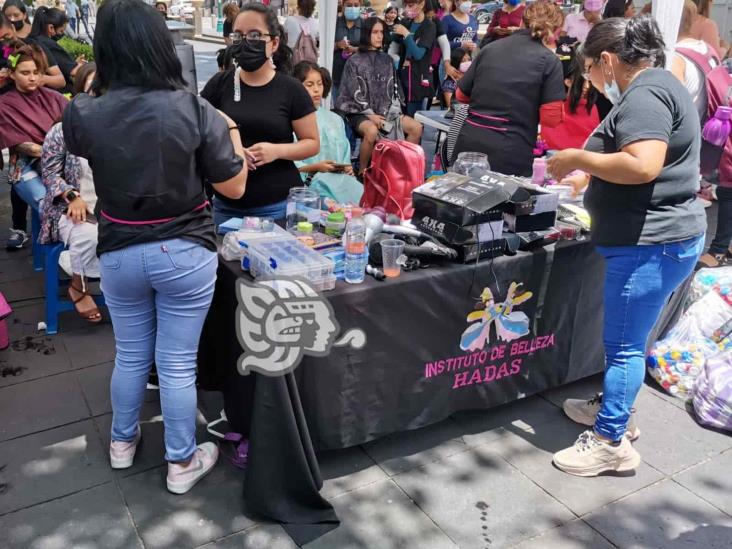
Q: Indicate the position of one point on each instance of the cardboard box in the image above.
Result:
(540, 201)
(491, 248)
(453, 208)
(529, 223)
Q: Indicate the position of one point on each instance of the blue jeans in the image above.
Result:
(222, 212)
(158, 294)
(639, 281)
(414, 106)
(30, 188)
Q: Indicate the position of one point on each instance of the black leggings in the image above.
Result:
(722, 238)
(20, 210)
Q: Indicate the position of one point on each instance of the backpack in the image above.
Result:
(718, 85)
(397, 167)
(305, 48)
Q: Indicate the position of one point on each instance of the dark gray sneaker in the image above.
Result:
(16, 240)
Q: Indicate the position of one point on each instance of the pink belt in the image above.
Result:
(108, 217)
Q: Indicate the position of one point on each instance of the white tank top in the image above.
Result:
(693, 77)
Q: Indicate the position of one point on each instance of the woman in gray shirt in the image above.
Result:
(641, 170)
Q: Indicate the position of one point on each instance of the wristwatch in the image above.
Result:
(71, 196)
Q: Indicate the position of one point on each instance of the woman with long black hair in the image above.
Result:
(413, 40)
(371, 96)
(269, 107)
(17, 12)
(641, 170)
(49, 26)
(152, 145)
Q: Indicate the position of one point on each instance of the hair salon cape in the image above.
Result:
(334, 146)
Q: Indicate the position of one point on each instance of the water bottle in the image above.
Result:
(715, 133)
(717, 129)
(357, 256)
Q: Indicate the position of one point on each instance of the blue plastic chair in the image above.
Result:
(45, 258)
(36, 247)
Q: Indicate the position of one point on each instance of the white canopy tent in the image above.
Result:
(668, 16)
(327, 14)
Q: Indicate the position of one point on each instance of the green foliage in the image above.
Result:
(75, 49)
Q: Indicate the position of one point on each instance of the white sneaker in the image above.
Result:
(122, 454)
(585, 412)
(590, 456)
(182, 478)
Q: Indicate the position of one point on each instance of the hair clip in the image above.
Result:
(13, 60)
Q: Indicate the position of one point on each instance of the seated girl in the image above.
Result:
(581, 116)
(460, 59)
(67, 209)
(372, 97)
(329, 172)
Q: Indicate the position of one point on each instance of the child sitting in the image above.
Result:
(329, 172)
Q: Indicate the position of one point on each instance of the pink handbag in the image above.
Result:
(5, 311)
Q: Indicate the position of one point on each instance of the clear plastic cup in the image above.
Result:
(391, 253)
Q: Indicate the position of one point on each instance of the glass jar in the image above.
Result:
(469, 161)
(303, 204)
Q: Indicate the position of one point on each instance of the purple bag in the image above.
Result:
(713, 392)
(5, 311)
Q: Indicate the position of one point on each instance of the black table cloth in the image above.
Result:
(412, 371)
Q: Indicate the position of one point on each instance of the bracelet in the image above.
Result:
(233, 128)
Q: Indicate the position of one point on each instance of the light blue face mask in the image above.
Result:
(352, 13)
(612, 91)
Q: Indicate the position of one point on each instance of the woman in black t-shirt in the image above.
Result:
(513, 85)
(152, 144)
(269, 107)
(642, 167)
(49, 25)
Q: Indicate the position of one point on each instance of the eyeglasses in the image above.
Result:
(251, 36)
(586, 74)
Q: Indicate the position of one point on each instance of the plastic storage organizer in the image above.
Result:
(290, 258)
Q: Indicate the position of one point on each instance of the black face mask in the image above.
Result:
(18, 24)
(57, 37)
(250, 57)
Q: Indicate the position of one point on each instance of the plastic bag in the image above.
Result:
(713, 392)
(710, 313)
(677, 360)
(718, 279)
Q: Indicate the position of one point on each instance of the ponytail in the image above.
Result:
(634, 41)
(47, 16)
(282, 57)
